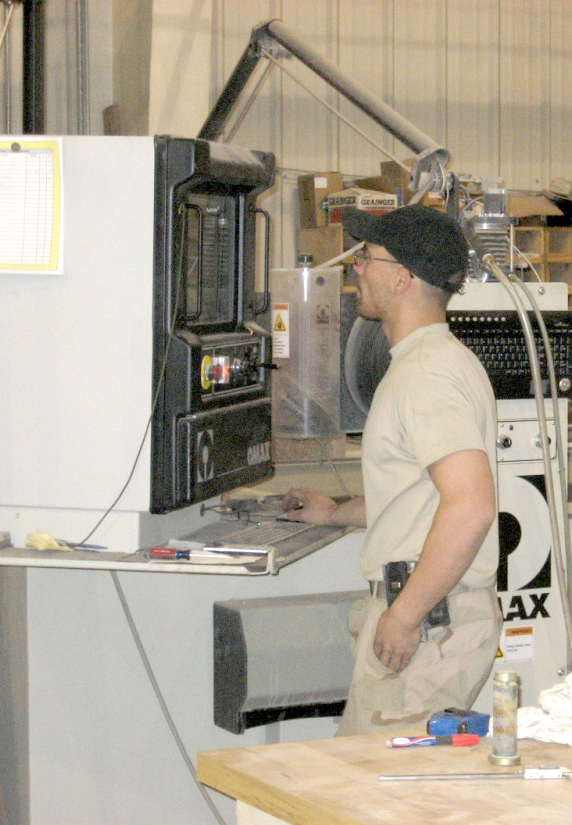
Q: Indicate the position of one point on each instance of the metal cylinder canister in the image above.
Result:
(505, 718)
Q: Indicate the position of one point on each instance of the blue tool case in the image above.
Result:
(454, 720)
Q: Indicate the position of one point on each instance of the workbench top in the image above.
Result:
(335, 782)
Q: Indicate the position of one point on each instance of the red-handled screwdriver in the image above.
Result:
(418, 741)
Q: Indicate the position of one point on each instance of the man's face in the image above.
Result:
(375, 282)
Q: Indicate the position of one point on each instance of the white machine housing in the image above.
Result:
(533, 640)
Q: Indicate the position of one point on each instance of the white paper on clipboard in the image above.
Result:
(31, 194)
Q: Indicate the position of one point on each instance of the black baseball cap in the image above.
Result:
(429, 243)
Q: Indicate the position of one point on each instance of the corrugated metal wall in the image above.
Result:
(489, 79)
(62, 109)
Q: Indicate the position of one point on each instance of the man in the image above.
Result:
(429, 475)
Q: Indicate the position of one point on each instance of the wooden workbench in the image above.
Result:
(335, 782)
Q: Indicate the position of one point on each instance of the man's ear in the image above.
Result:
(403, 279)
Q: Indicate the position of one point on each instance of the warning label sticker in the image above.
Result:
(280, 330)
(519, 644)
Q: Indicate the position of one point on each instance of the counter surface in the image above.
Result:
(335, 782)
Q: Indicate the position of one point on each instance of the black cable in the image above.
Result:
(155, 397)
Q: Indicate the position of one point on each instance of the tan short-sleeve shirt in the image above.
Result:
(435, 399)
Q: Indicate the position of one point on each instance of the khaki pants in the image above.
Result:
(448, 670)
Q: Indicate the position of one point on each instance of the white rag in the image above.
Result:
(552, 721)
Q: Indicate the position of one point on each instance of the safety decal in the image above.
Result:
(280, 330)
(519, 644)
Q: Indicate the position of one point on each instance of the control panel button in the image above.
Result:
(504, 442)
(218, 371)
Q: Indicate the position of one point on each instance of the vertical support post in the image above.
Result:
(33, 69)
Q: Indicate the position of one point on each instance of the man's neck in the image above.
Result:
(402, 325)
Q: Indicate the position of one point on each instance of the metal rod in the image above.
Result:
(338, 114)
(379, 111)
(266, 300)
(247, 106)
(7, 16)
(541, 773)
(437, 777)
(82, 41)
(214, 124)
(6, 39)
(33, 69)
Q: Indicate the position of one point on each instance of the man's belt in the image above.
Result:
(395, 575)
(377, 589)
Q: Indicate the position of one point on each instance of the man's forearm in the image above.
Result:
(448, 552)
(350, 513)
(313, 507)
(463, 518)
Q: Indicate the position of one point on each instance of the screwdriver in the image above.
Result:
(456, 739)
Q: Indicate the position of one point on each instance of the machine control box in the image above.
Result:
(212, 417)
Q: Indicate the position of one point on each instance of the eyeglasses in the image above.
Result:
(363, 257)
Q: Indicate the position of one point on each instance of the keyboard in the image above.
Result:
(498, 341)
(265, 533)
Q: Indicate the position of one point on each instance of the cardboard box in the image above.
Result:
(312, 195)
(393, 178)
(378, 203)
(396, 180)
(531, 206)
(323, 244)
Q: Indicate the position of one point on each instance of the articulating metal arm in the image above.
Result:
(430, 156)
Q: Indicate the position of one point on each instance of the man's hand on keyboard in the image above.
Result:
(309, 506)
(313, 507)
